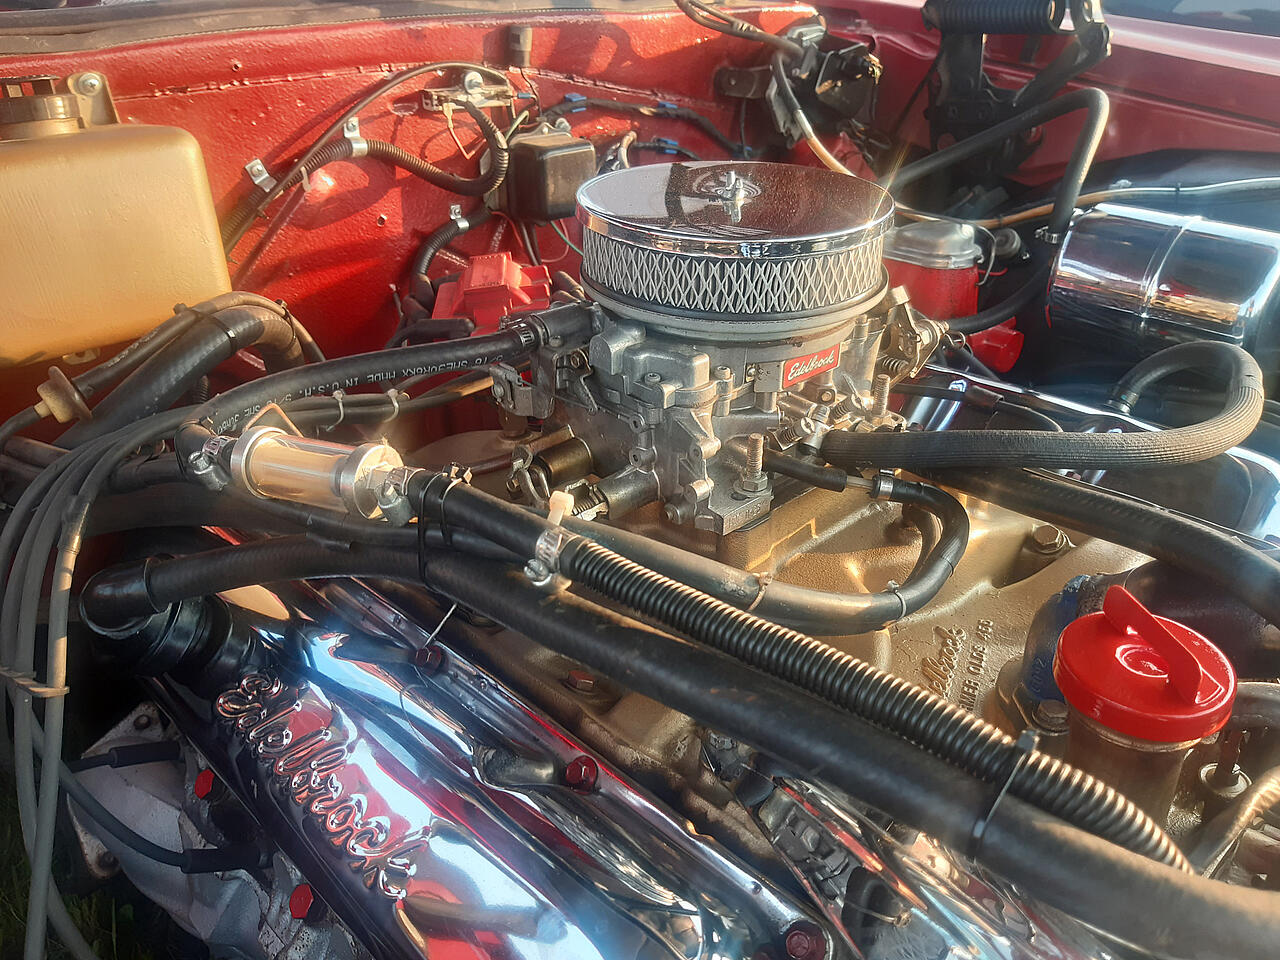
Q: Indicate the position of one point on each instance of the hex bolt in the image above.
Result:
(428, 659)
(1051, 716)
(1048, 539)
(142, 721)
(805, 942)
(880, 395)
(723, 373)
(579, 680)
(107, 861)
(581, 774)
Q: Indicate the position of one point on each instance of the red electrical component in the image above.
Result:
(999, 347)
(491, 287)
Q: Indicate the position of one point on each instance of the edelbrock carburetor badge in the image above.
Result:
(736, 304)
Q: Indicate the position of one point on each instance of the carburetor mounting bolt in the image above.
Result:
(880, 395)
(753, 481)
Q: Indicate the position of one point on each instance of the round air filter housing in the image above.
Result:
(734, 248)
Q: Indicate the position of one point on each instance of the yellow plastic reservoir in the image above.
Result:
(104, 226)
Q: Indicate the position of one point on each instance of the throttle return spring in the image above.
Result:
(1019, 17)
(890, 702)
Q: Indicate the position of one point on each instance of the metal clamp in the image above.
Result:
(1025, 746)
(262, 179)
(351, 131)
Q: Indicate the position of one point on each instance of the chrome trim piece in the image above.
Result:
(1147, 279)
(433, 806)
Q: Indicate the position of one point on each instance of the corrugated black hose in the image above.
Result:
(893, 703)
(966, 741)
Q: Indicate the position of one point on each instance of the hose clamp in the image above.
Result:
(882, 485)
(544, 566)
(1024, 747)
(896, 589)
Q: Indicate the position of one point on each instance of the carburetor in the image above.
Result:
(736, 304)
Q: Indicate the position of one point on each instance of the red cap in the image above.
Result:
(204, 784)
(1142, 675)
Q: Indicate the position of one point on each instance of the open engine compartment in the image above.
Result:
(643, 480)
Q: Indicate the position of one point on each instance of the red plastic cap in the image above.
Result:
(1142, 675)
(204, 784)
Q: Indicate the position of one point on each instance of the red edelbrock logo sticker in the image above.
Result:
(801, 368)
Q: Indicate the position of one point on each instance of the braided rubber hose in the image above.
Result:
(1065, 451)
(893, 703)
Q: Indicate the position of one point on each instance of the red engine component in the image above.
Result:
(999, 347)
(490, 287)
(938, 262)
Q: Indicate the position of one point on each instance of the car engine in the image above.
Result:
(857, 541)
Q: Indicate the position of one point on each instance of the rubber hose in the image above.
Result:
(124, 593)
(162, 379)
(478, 186)
(131, 357)
(1006, 309)
(911, 711)
(1014, 17)
(1257, 704)
(441, 237)
(828, 614)
(1089, 99)
(825, 478)
(1180, 358)
(1181, 542)
(1132, 898)
(344, 149)
(1219, 836)
(1064, 451)
(1161, 910)
(519, 340)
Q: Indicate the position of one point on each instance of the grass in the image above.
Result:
(117, 921)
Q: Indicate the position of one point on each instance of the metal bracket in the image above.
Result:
(257, 171)
(351, 131)
(473, 89)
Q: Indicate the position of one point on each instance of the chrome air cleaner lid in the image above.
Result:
(734, 247)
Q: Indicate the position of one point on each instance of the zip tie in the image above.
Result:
(342, 411)
(762, 583)
(1025, 746)
(26, 682)
(394, 396)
